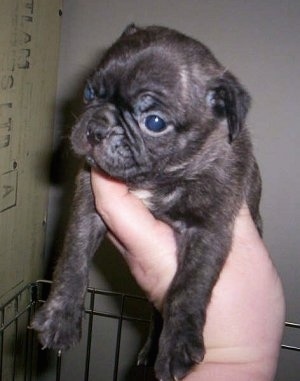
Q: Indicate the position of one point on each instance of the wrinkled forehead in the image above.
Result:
(132, 70)
(164, 63)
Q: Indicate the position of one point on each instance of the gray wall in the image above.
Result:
(258, 41)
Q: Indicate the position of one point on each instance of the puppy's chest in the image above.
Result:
(145, 196)
(169, 207)
(158, 201)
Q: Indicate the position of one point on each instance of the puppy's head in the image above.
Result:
(153, 102)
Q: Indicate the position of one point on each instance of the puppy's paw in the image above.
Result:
(58, 328)
(179, 352)
(147, 354)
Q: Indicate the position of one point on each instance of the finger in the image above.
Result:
(118, 245)
(124, 214)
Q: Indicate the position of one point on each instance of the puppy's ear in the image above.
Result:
(228, 99)
(130, 29)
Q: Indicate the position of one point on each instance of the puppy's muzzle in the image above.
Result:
(95, 132)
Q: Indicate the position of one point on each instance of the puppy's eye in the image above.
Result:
(155, 124)
(89, 93)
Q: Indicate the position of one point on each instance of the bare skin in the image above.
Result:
(246, 313)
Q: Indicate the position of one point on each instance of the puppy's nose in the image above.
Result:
(95, 132)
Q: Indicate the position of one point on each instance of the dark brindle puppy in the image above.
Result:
(164, 116)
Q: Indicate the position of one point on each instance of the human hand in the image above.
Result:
(246, 313)
(143, 241)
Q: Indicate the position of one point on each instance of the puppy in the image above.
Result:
(165, 117)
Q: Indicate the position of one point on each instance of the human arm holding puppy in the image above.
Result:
(246, 313)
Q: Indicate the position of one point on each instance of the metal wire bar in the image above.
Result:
(58, 365)
(89, 338)
(118, 342)
(11, 321)
(291, 347)
(29, 347)
(292, 325)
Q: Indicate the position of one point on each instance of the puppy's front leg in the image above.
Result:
(202, 253)
(58, 322)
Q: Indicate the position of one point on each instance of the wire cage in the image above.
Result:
(115, 314)
(110, 312)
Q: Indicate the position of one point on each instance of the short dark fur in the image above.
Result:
(197, 173)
